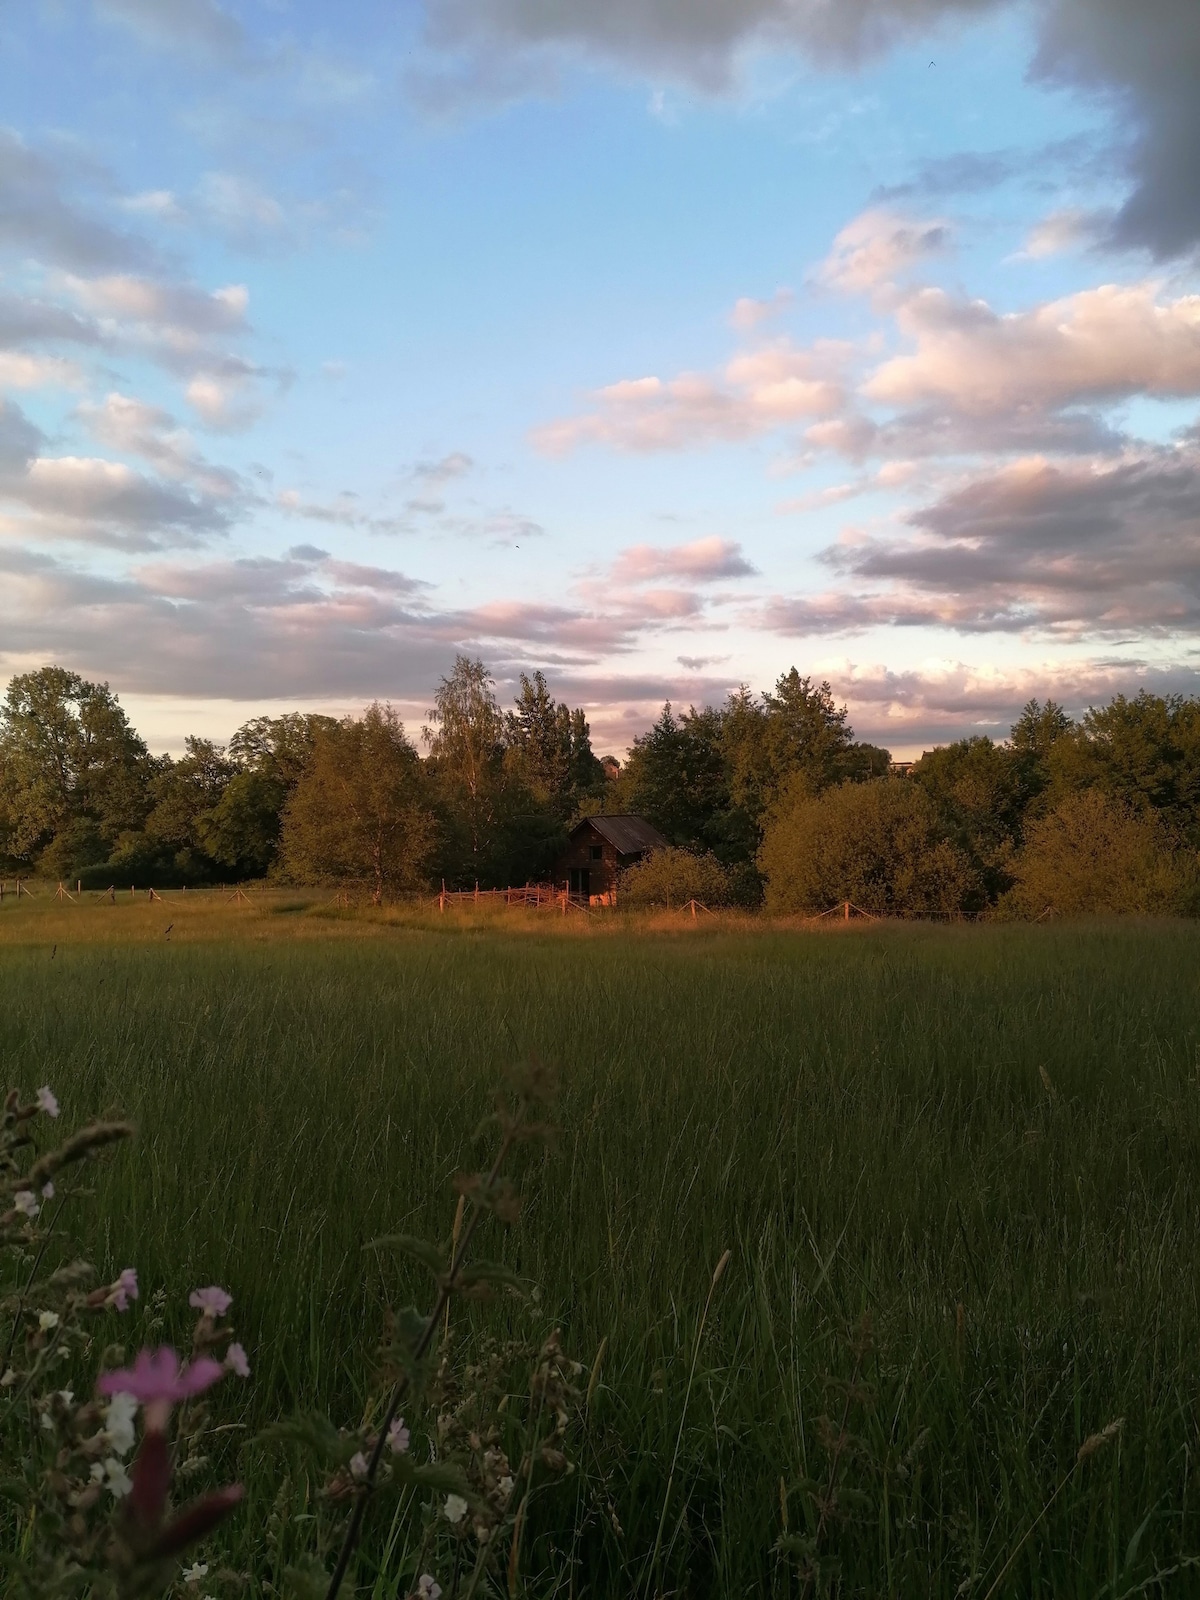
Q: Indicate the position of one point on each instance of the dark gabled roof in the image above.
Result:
(628, 835)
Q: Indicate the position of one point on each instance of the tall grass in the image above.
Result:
(986, 1139)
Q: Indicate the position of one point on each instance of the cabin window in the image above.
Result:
(597, 852)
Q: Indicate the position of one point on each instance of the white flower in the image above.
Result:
(9, 1378)
(47, 1420)
(47, 1191)
(118, 1423)
(505, 1486)
(193, 1574)
(455, 1508)
(67, 1396)
(398, 1436)
(114, 1477)
(47, 1321)
(428, 1588)
(26, 1202)
(359, 1466)
(46, 1100)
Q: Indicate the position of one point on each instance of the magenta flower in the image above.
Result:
(124, 1290)
(158, 1382)
(213, 1301)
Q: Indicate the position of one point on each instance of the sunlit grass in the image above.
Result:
(988, 1139)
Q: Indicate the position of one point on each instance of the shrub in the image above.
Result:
(877, 844)
(1093, 853)
(673, 877)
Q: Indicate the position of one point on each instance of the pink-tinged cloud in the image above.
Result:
(702, 561)
(876, 247)
(1095, 346)
(758, 391)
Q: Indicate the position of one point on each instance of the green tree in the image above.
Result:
(880, 845)
(548, 750)
(466, 760)
(70, 764)
(675, 777)
(979, 789)
(362, 811)
(1097, 853)
(279, 748)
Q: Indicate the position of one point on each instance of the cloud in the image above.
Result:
(1071, 228)
(445, 469)
(1094, 346)
(131, 427)
(702, 561)
(39, 217)
(185, 27)
(1076, 549)
(1142, 61)
(759, 390)
(877, 246)
(748, 314)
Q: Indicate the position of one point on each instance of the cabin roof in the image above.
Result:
(627, 835)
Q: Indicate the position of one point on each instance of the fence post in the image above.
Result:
(847, 911)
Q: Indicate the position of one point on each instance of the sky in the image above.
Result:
(660, 344)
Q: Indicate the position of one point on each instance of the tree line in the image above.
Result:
(766, 798)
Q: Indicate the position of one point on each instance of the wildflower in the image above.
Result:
(235, 1361)
(197, 1570)
(26, 1202)
(455, 1508)
(359, 1466)
(111, 1473)
(124, 1290)
(398, 1436)
(46, 1101)
(158, 1382)
(48, 1321)
(47, 1191)
(213, 1301)
(505, 1486)
(9, 1378)
(428, 1587)
(67, 1396)
(118, 1423)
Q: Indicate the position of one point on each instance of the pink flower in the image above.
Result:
(398, 1436)
(46, 1101)
(213, 1301)
(235, 1361)
(359, 1466)
(158, 1382)
(124, 1290)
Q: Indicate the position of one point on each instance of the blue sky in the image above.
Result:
(658, 345)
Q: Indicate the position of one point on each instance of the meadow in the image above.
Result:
(958, 1170)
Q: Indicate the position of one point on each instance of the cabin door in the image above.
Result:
(581, 880)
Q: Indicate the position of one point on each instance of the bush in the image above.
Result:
(877, 844)
(672, 877)
(1093, 853)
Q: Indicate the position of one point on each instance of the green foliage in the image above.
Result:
(68, 761)
(881, 845)
(670, 878)
(1094, 853)
(362, 811)
(980, 791)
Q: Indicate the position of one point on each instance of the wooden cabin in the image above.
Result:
(601, 847)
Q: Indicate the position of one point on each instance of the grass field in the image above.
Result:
(986, 1138)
